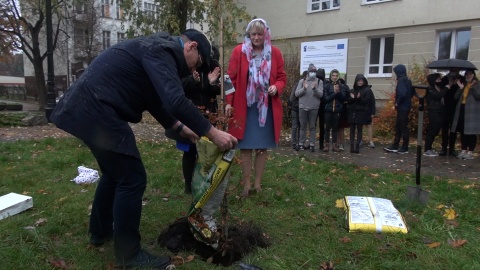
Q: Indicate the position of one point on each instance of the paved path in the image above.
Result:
(449, 167)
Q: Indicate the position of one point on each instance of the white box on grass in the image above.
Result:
(14, 203)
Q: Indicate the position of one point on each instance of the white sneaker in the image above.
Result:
(340, 147)
(467, 156)
(431, 153)
(371, 145)
(461, 154)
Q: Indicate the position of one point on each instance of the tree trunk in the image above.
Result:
(40, 86)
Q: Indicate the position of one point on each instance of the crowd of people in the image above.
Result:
(452, 103)
(335, 106)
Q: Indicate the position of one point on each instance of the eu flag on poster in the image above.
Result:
(340, 46)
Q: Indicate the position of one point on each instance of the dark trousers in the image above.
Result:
(449, 137)
(295, 127)
(468, 142)
(321, 126)
(435, 122)
(359, 129)
(188, 165)
(118, 200)
(401, 129)
(331, 124)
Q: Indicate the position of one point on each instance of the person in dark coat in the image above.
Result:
(133, 76)
(359, 102)
(435, 111)
(321, 110)
(466, 120)
(335, 94)
(202, 89)
(449, 136)
(403, 105)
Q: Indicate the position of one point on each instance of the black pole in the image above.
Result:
(50, 73)
(421, 104)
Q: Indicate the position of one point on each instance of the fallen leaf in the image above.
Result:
(289, 234)
(40, 222)
(450, 214)
(457, 243)
(452, 223)
(440, 206)
(339, 203)
(327, 266)
(309, 204)
(374, 175)
(434, 245)
(345, 239)
(58, 264)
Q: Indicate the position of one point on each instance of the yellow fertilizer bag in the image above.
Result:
(208, 189)
(370, 214)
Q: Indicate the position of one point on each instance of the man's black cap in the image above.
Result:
(204, 47)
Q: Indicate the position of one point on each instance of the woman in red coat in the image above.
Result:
(257, 73)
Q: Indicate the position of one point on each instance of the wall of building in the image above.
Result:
(415, 30)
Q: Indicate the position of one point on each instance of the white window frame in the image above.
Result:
(380, 64)
(106, 37)
(453, 42)
(150, 10)
(81, 38)
(312, 4)
(121, 37)
(369, 2)
(119, 10)
(105, 8)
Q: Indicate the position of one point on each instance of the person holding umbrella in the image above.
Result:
(466, 120)
(436, 110)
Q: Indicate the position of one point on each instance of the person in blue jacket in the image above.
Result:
(403, 104)
(133, 76)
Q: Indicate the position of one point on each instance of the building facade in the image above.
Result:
(380, 33)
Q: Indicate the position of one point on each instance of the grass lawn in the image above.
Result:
(297, 210)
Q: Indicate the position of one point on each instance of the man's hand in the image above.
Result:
(213, 76)
(221, 139)
(189, 134)
(196, 76)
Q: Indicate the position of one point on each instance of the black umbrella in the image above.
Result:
(451, 64)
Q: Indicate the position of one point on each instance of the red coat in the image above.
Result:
(238, 72)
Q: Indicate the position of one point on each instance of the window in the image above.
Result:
(380, 56)
(321, 5)
(81, 38)
(119, 10)
(80, 7)
(105, 8)
(453, 44)
(150, 10)
(106, 39)
(120, 37)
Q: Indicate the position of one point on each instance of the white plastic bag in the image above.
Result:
(86, 176)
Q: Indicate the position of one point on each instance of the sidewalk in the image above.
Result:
(449, 167)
